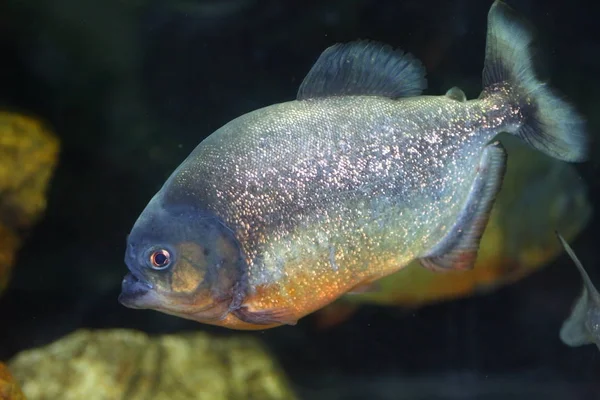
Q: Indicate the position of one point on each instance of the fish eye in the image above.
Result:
(160, 259)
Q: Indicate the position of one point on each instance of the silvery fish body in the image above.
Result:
(286, 208)
(339, 186)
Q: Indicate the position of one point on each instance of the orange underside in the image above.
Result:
(306, 292)
(311, 290)
(429, 288)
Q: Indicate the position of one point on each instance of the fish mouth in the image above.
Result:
(133, 290)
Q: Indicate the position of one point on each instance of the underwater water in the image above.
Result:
(100, 101)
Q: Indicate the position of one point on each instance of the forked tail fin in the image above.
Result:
(551, 125)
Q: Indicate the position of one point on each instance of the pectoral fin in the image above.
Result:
(282, 316)
(458, 249)
(368, 287)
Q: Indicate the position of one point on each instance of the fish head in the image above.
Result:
(182, 262)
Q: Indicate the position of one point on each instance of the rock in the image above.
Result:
(126, 364)
(9, 390)
(28, 157)
(9, 243)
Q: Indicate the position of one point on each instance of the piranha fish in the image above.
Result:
(284, 209)
(539, 194)
(583, 325)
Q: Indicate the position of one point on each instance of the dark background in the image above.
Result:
(131, 87)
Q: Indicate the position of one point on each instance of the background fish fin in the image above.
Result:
(455, 93)
(458, 249)
(574, 332)
(365, 68)
(266, 317)
(592, 292)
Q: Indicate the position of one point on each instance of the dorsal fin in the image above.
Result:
(455, 93)
(364, 68)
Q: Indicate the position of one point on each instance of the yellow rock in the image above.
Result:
(126, 364)
(9, 390)
(28, 157)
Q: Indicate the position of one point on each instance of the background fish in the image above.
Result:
(583, 325)
(286, 208)
(539, 195)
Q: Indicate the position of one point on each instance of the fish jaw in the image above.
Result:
(136, 293)
(140, 295)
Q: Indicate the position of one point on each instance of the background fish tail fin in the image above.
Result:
(551, 124)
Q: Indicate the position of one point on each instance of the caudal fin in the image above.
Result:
(551, 124)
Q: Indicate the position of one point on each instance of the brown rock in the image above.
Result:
(9, 390)
(125, 364)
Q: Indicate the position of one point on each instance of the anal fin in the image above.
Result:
(458, 250)
(333, 315)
